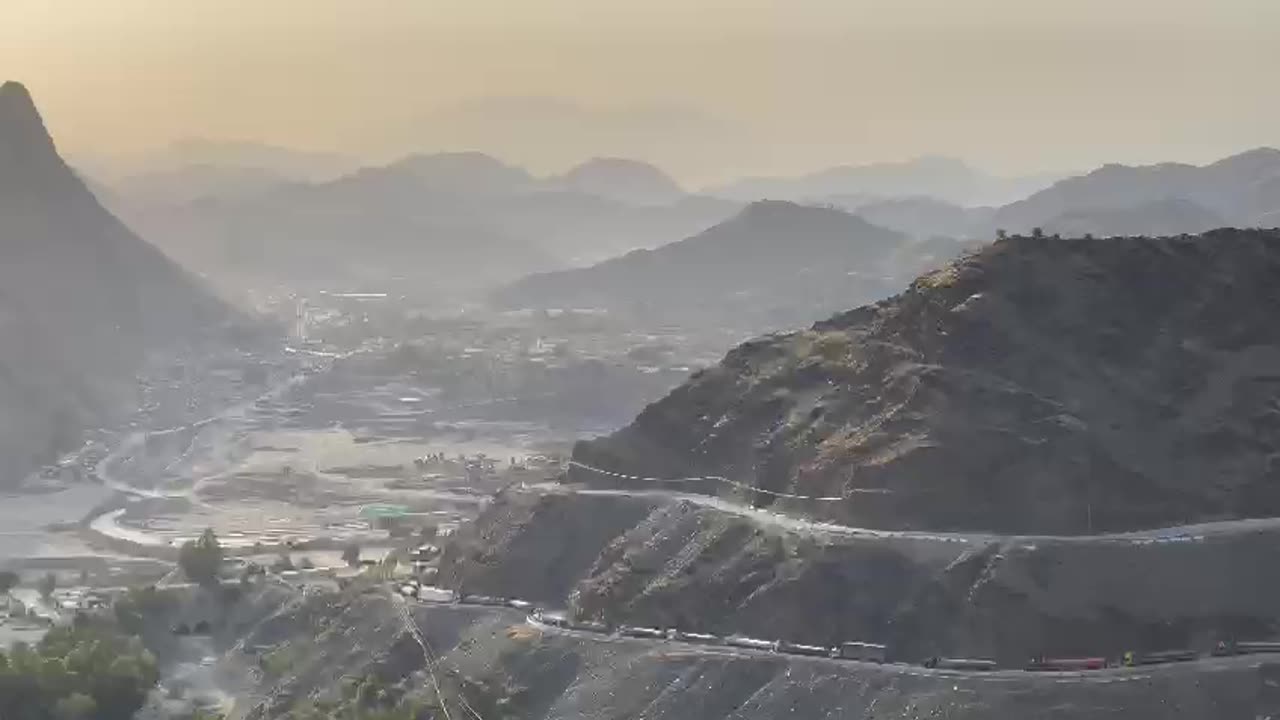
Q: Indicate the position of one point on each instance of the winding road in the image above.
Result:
(1119, 674)
(1176, 534)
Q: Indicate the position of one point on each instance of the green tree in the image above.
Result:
(48, 584)
(351, 555)
(201, 559)
(86, 671)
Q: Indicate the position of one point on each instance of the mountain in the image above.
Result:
(772, 265)
(940, 178)
(438, 223)
(923, 217)
(1242, 190)
(457, 173)
(184, 184)
(628, 181)
(1042, 385)
(1167, 216)
(83, 300)
(175, 157)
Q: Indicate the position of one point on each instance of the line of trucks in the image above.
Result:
(849, 650)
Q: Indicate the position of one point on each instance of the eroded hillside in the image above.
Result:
(1041, 385)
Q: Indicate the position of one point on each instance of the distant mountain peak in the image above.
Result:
(20, 122)
(623, 179)
(781, 212)
(466, 170)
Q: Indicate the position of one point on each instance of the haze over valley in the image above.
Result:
(669, 360)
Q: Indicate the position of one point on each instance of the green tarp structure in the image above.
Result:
(383, 511)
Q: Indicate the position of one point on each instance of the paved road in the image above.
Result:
(672, 647)
(1180, 534)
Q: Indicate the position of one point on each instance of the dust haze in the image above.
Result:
(429, 359)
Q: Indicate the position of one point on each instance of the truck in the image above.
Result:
(1246, 647)
(752, 643)
(800, 649)
(1133, 658)
(482, 600)
(975, 664)
(1066, 664)
(642, 632)
(554, 619)
(692, 637)
(854, 650)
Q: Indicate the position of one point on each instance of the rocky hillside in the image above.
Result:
(82, 299)
(328, 654)
(773, 265)
(1042, 385)
(667, 562)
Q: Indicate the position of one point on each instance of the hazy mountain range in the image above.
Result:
(940, 178)
(82, 299)
(1171, 198)
(428, 223)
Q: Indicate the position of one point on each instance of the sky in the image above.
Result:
(708, 89)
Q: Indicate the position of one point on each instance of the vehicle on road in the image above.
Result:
(554, 619)
(1246, 647)
(642, 632)
(1132, 658)
(801, 649)
(752, 643)
(1066, 664)
(978, 664)
(482, 600)
(692, 637)
(853, 650)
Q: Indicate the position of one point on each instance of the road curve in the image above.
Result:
(1179, 534)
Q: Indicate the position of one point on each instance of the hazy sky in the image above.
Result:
(706, 88)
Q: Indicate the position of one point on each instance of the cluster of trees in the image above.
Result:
(89, 670)
(8, 581)
(201, 559)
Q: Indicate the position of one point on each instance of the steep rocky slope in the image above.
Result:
(1041, 385)
(82, 299)
(669, 563)
(489, 663)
